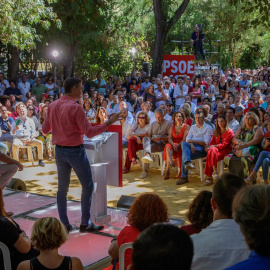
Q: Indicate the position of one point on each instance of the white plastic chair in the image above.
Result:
(122, 251)
(159, 162)
(6, 256)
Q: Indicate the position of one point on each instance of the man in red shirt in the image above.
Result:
(67, 121)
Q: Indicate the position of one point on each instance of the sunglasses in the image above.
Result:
(141, 117)
(170, 105)
(30, 109)
(160, 84)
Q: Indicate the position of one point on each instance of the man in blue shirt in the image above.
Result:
(100, 84)
(145, 85)
(244, 83)
(251, 211)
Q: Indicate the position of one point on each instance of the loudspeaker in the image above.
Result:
(146, 68)
(125, 201)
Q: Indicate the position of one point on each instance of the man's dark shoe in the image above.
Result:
(70, 228)
(91, 228)
(182, 181)
(41, 163)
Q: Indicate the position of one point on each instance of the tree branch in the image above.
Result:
(178, 13)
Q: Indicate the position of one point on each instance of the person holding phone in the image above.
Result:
(24, 133)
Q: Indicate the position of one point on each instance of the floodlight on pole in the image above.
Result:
(55, 53)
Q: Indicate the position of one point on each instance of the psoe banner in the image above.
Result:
(178, 65)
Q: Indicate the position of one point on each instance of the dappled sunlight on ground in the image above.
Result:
(43, 180)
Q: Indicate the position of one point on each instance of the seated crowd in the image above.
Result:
(229, 229)
(218, 117)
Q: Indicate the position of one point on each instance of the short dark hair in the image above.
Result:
(162, 246)
(224, 191)
(12, 81)
(69, 83)
(218, 98)
(251, 210)
(232, 109)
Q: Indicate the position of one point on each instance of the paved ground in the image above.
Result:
(43, 180)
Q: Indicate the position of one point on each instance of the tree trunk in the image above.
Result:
(68, 67)
(158, 52)
(163, 26)
(14, 64)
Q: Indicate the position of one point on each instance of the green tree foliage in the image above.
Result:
(19, 19)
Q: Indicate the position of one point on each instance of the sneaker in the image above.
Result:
(182, 181)
(41, 163)
(70, 228)
(25, 158)
(189, 166)
(144, 175)
(147, 159)
(91, 228)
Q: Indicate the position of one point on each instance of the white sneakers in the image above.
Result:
(147, 159)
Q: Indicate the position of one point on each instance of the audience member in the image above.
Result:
(252, 212)
(233, 124)
(24, 133)
(139, 131)
(162, 246)
(14, 238)
(245, 146)
(48, 235)
(200, 213)
(173, 152)
(198, 137)
(158, 137)
(221, 244)
(146, 210)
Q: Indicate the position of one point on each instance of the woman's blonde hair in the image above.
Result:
(147, 119)
(48, 233)
(186, 110)
(254, 116)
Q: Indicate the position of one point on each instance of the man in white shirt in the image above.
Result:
(192, 104)
(221, 244)
(162, 95)
(126, 127)
(233, 124)
(24, 87)
(180, 91)
(199, 136)
(237, 101)
(166, 116)
(147, 109)
(121, 106)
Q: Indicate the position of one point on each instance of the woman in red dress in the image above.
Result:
(173, 151)
(220, 146)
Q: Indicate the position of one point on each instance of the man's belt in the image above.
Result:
(68, 147)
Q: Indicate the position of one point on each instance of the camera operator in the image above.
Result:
(197, 39)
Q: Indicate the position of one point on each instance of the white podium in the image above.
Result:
(103, 154)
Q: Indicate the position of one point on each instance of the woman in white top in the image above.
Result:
(139, 130)
(31, 113)
(89, 110)
(51, 86)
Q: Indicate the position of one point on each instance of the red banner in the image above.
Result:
(178, 65)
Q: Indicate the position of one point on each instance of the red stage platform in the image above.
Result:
(91, 248)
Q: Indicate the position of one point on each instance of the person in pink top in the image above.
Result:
(67, 121)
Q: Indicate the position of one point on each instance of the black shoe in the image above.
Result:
(41, 163)
(70, 228)
(91, 228)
